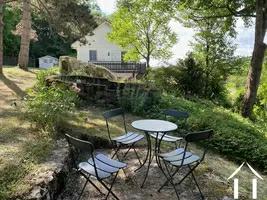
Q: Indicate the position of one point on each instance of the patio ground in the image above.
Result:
(128, 183)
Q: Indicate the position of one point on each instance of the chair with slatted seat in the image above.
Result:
(128, 139)
(181, 157)
(98, 166)
(180, 115)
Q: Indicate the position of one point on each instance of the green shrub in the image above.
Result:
(137, 100)
(188, 78)
(235, 137)
(42, 75)
(165, 78)
(50, 108)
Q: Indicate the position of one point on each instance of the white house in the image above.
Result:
(98, 48)
(47, 62)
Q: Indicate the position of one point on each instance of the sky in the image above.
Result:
(244, 39)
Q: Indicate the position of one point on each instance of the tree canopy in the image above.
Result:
(229, 11)
(11, 42)
(142, 29)
(72, 19)
(214, 49)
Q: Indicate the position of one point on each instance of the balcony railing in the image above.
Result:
(122, 67)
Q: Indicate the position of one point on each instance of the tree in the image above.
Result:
(229, 11)
(71, 18)
(142, 29)
(49, 41)
(11, 42)
(214, 49)
(25, 35)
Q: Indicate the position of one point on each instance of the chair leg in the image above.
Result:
(91, 182)
(137, 156)
(202, 196)
(110, 188)
(167, 181)
(83, 188)
(116, 152)
(171, 181)
(190, 171)
(128, 151)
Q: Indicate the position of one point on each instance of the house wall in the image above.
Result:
(106, 51)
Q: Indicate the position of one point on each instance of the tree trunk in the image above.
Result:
(254, 74)
(207, 71)
(147, 66)
(1, 37)
(148, 62)
(25, 36)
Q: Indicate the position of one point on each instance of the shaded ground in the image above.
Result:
(21, 150)
(128, 184)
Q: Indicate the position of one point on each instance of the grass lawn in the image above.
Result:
(23, 150)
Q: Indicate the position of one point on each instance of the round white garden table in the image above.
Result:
(155, 126)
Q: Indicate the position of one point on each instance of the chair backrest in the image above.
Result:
(79, 145)
(178, 114)
(114, 113)
(198, 136)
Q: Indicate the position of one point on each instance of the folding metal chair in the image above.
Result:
(171, 113)
(182, 158)
(127, 139)
(99, 166)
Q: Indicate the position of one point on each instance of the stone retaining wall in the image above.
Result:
(97, 90)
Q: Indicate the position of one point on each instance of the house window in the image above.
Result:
(45, 61)
(108, 53)
(92, 55)
(122, 55)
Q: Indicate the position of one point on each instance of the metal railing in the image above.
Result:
(122, 67)
(13, 61)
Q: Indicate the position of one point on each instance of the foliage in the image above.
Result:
(70, 18)
(214, 50)
(235, 137)
(141, 28)
(42, 75)
(50, 106)
(135, 99)
(49, 41)
(190, 77)
(260, 107)
(236, 86)
(11, 16)
(49, 109)
(187, 78)
(229, 11)
(158, 77)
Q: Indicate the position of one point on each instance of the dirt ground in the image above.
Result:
(127, 185)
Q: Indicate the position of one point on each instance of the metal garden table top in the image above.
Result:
(154, 125)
